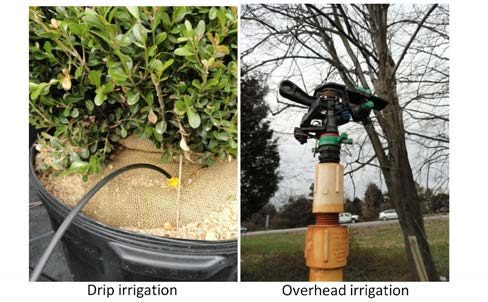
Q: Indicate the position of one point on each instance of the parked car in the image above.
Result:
(348, 218)
(243, 229)
(388, 214)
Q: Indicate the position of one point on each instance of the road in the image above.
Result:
(353, 225)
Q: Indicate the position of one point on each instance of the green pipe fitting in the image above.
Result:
(368, 105)
(334, 140)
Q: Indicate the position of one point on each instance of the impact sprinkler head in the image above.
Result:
(331, 106)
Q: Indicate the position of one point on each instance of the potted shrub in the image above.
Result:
(101, 78)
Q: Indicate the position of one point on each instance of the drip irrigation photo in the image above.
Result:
(133, 134)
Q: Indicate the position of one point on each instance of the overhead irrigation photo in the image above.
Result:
(344, 142)
(133, 135)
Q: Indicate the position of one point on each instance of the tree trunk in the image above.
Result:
(400, 181)
(396, 165)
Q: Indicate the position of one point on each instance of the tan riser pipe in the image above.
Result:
(327, 242)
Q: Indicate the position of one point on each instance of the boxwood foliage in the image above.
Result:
(99, 74)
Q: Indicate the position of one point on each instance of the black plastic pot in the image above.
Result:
(97, 252)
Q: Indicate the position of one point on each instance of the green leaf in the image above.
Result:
(151, 52)
(125, 59)
(118, 75)
(188, 26)
(188, 101)
(182, 39)
(149, 98)
(221, 15)
(180, 107)
(200, 30)
(89, 105)
(183, 52)
(108, 87)
(140, 33)
(93, 19)
(156, 66)
(123, 132)
(84, 153)
(48, 47)
(100, 96)
(165, 18)
(133, 97)
(168, 64)
(134, 11)
(75, 113)
(158, 136)
(41, 88)
(179, 13)
(223, 136)
(212, 14)
(95, 77)
(77, 164)
(161, 127)
(114, 137)
(35, 92)
(210, 161)
(78, 72)
(166, 156)
(161, 37)
(122, 40)
(197, 84)
(75, 28)
(221, 51)
(193, 118)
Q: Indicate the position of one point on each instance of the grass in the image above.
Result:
(377, 253)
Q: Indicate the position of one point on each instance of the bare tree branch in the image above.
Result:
(412, 38)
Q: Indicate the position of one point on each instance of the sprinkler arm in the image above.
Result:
(292, 92)
(333, 104)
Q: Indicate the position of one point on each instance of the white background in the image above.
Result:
(469, 110)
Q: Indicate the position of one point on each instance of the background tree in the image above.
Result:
(402, 57)
(297, 212)
(440, 203)
(357, 207)
(432, 202)
(258, 219)
(373, 198)
(354, 206)
(348, 205)
(259, 154)
(387, 203)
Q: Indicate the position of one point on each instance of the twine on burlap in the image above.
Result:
(179, 193)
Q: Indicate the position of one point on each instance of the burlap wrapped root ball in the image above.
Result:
(141, 200)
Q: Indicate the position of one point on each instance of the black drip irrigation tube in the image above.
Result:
(98, 252)
(36, 273)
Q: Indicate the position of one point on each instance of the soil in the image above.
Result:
(211, 217)
(219, 225)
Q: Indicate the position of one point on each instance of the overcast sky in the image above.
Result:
(297, 162)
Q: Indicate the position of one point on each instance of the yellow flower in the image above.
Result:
(173, 182)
